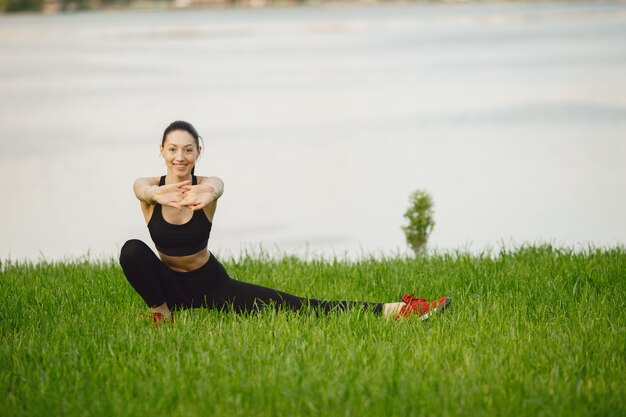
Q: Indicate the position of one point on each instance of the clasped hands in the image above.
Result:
(183, 194)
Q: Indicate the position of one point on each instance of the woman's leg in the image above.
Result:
(245, 297)
(151, 278)
(214, 288)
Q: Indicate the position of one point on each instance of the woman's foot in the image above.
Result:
(421, 307)
(160, 315)
(159, 318)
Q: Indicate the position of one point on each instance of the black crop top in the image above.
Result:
(179, 239)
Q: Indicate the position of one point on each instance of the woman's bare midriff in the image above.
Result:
(186, 263)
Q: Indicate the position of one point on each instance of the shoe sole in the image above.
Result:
(439, 309)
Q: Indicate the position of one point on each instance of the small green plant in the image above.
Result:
(421, 222)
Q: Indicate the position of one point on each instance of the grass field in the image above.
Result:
(537, 331)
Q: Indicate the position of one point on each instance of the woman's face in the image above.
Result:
(180, 152)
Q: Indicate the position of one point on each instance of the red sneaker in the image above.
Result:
(423, 308)
(158, 318)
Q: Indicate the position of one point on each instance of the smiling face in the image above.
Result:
(180, 152)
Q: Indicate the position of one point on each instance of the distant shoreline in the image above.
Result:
(69, 6)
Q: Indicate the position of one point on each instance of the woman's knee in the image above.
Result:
(132, 251)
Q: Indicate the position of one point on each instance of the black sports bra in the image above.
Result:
(179, 239)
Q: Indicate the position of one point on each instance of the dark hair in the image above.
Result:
(187, 127)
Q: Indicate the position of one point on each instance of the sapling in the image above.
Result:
(421, 222)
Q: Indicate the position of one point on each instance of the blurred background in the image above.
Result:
(320, 117)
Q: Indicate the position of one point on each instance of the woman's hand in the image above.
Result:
(173, 195)
(199, 196)
(196, 198)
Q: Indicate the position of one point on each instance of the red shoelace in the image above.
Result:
(414, 305)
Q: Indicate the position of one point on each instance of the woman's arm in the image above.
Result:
(145, 189)
(214, 185)
(148, 191)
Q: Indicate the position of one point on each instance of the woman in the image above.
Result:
(179, 209)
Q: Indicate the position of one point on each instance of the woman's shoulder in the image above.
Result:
(210, 179)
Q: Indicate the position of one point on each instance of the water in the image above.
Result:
(321, 121)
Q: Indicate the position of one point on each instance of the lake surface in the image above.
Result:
(321, 121)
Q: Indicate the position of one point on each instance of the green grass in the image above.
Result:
(534, 331)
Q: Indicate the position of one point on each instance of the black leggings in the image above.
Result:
(209, 286)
